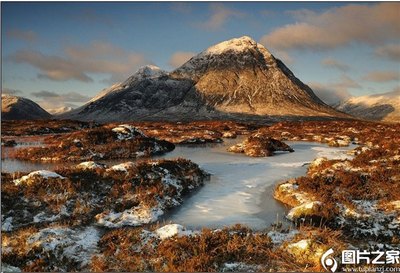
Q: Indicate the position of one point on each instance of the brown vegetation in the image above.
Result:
(236, 248)
(94, 144)
(42, 127)
(354, 194)
(81, 194)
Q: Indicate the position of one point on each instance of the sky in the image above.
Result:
(64, 53)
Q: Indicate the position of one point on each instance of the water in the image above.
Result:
(240, 189)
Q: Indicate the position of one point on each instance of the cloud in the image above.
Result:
(54, 98)
(373, 24)
(179, 58)
(283, 56)
(332, 63)
(389, 51)
(80, 61)
(220, 15)
(54, 101)
(24, 35)
(10, 91)
(382, 76)
(332, 93)
(65, 97)
(44, 94)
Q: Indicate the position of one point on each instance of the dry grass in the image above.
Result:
(93, 144)
(83, 194)
(124, 250)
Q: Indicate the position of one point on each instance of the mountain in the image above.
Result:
(385, 106)
(60, 110)
(235, 79)
(17, 108)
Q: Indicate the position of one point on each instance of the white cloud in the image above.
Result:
(219, 16)
(80, 61)
(372, 24)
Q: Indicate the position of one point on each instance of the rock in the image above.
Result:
(125, 132)
(229, 135)
(31, 178)
(288, 194)
(171, 230)
(306, 251)
(260, 145)
(307, 210)
(90, 165)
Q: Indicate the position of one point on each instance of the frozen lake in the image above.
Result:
(240, 189)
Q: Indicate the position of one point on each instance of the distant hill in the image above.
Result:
(384, 107)
(60, 110)
(18, 108)
(235, 79)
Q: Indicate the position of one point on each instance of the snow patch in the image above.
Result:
(66, 243)
(171, 230)
(43, 173)
(7, 224)
(136, 216)
(90, 165)
(301, 245)
(123, 167)
(278, 238)
(125, 132)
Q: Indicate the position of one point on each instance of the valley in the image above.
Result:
(228, 162)
(322, 195)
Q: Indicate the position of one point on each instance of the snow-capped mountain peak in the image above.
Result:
(236, 45)
(238, 78)
(150, 71)
(145, 72)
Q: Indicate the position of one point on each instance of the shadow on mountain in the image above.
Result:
(163, 101)
(177, 99)
(375, 112)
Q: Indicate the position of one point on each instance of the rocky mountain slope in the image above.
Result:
(385, 107)
(18, 108)
(235, 79)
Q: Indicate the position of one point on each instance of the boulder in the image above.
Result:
(259, 145)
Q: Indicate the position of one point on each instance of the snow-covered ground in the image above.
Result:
(236, 191)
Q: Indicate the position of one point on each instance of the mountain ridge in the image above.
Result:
(234, 79)
(19, 108)
(380, 107)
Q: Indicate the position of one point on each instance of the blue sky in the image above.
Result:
(64, 53)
